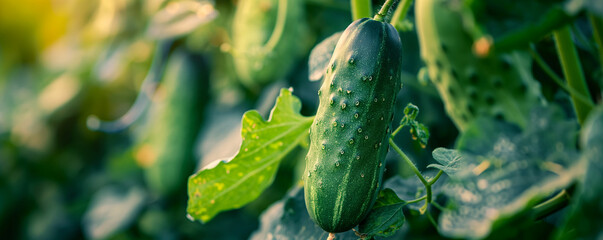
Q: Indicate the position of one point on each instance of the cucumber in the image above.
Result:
(499, 86)
(258, 61)
(349, 135)
(175, 121)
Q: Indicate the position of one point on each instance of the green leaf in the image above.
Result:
(386, 217)
(232, 184)
(180, 18)
(450, 161)
(289, 219)
(584, 220)
(321, 55)
(510, 176)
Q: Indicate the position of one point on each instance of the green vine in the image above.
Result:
(361, 9)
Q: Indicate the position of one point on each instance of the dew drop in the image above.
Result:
(366, 137)
(370, 78)
(357, 103)
(364, 78)
(341, 152)
(351, 61)
(319, 92)
(343, 105)
(351, 141)
(342, 125)
(332, 101)
(359, 130)
(383, 99)
(332, 85)
(349, 92)
(376, 146)
(357, 157)
(381, 118)
(324, 146)
(335, 124)
(333, 66)
(336, 163)
(380, 164)
(362, 175)
(375, 100)
(356, 115)
(340, 89)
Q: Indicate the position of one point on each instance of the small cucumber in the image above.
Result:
(175, 122)
(349, 135)
(499, 86)
(264, 48)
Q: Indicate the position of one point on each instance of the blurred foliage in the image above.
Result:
(62, 61)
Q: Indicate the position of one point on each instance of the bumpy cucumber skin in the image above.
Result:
(176, 121)
(253, 24)
(349, 135)
(497, 86)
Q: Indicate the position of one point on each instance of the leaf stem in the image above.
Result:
(400, 12)
(597, 25)
(408, 161)
(361, 9)
(380, 16)
(552, 205)
(435, 179)
(560, 82)
(572, 71)
(416, 200)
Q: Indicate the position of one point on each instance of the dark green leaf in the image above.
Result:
(512, 174)
(584, 220)
(181, 18)
(232, 184)
(386, 217)
(321, 55)
(289, 219)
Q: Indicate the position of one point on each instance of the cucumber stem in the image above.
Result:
(597, 25)
(361, 9)
(552, 205)
(408, 161)
(400, 13)
(279, 27)
(555, 77)
(380, 16)
(572, 71)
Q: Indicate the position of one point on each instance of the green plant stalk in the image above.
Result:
(279, 27)
(380, 16)
(361, 9)
(552, 205)
(556, 78)
(400, 12)
(416, 200)
(597, 25)
(572, 71)
(408, 161)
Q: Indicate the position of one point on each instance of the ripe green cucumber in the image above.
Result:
(499, 86)
(259, 57)
(175, 121)
(349, 135)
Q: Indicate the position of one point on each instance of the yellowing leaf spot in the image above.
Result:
(261, 178)
(219, 186)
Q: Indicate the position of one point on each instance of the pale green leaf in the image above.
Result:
(450, 161)
(232, 184)
(321, 55)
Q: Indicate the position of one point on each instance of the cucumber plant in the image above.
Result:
(348, 139)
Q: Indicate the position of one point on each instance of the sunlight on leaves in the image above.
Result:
(181, 18)
(231, 184)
